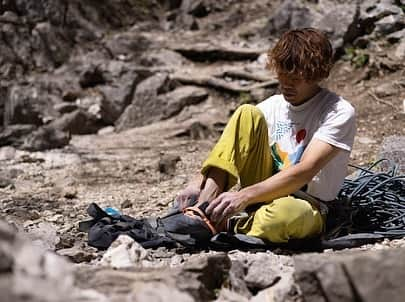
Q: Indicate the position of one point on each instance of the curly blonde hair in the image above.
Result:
(306, 52)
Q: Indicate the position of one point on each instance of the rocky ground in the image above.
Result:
(120, 103)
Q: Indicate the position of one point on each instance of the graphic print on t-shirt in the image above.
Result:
(288, 145)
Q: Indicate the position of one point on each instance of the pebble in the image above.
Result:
(55, 218)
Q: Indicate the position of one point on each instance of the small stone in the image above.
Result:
(384, 90)
(126, 204)
(77, 255)
(55, 218)
(35, 215)
(69, 192)
(6, 182)
(366, 140)
(106, 130)
(30, 222)
(167, 164)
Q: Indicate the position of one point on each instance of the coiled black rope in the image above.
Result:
(373, 201)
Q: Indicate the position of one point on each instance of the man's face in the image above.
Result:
(295, 89)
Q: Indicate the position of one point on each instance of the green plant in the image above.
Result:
(357, 57)
(245, 98)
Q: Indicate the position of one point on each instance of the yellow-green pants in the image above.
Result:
(243, 151)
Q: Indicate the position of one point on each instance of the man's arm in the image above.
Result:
(316, 155)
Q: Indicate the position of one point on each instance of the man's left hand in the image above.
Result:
(225, 205)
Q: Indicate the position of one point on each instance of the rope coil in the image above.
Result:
(373, 201)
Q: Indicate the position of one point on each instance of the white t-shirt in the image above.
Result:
(327, 117)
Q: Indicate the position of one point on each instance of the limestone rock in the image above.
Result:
(181, 97)
(76, 122)
(15, 135)
(393, 148)
(157, 292)
(44, 236)
(146, 106)
(118, 91)
(201, 275)
(46, 138)
(124, 252)
(91, 76)
(366, 276)
(389, 24)
(7, 153)
(265, 276)
(343, 22)
(28, 273)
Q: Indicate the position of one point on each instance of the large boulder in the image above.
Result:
(145, 98)
(343, 21)
(197, 279)
(46, 138)
(266, 276)
(28, 273)
(15, 135)
(77, 122)
(356, 276)
(152, 107)
(118, 91)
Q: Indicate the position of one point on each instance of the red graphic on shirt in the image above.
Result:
(301, 135)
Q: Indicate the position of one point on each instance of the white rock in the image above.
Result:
(7, 153)
(124, 252)
(106, 130)
(400, 50)
(44, 236)
(41, 276)
(365, 140)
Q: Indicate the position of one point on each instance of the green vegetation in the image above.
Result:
(357, 57)
(245, 98)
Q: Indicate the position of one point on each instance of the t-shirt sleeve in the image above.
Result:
(338, 127)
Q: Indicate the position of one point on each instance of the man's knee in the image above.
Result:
(270, 225)
(281, 220)
(249, 110)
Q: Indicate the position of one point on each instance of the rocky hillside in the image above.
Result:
(70, 67)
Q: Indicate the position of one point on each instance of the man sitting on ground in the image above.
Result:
(294, 142)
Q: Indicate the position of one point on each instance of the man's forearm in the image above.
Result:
(279, 185)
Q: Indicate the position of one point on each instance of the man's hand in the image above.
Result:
(225, 205)
(185, 195)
